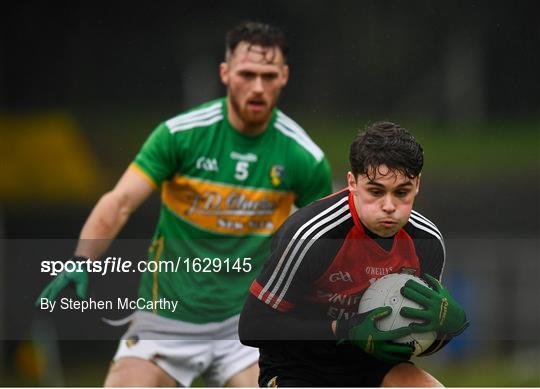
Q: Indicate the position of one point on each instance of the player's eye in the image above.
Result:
(247, 75)
(402, 193)
(269, 76)
(375, 192)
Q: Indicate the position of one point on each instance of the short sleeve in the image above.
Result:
(158, 158)
(316, 183)
(290, 270)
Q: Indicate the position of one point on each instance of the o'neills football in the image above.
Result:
(385, 292)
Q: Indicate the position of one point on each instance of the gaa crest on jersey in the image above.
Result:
(277, 172)
(207, 164)
(340, 276)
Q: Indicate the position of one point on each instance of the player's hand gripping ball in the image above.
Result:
(440, 311)
(385, 292)
(362, 331)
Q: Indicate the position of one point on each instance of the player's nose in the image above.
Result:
(388, 205)
(258, 85)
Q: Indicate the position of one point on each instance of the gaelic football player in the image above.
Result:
(229, 171)
(303, 309)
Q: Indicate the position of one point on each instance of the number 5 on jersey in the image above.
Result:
(241, 171)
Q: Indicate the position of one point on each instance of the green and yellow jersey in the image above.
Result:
(223, 195)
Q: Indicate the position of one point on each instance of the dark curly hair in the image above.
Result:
(256, 33)
(386, 143)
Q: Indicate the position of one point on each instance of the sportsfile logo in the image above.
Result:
(340, 276)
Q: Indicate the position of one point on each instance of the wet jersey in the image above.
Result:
(223, 195)
(322, 260)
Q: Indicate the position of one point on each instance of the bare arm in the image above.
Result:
(111, 213)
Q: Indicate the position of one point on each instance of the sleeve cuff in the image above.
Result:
(137, 169)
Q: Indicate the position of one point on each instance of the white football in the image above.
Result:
(385, 292)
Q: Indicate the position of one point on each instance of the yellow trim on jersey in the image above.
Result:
(224, 208)
(137, 169)
(155, 286)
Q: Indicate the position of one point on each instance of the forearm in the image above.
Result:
(260, 323)
(102, 226)
(111, 214)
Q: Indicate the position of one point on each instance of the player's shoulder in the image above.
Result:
(329, 217)
(201, 116)
(420, 227)
(295, 134)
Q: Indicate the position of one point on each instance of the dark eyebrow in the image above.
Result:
(255, 72)
(408, 183)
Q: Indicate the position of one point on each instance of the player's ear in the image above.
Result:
(351, 182)
(285, 75)
(224, 73)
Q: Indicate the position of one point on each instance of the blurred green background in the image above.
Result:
(83, 84)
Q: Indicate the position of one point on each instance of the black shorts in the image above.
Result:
(316, 367)
(311, 378)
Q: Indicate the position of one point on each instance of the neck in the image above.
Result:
(241, 126)
(373, 235)
(385, 243)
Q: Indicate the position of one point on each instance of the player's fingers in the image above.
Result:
(414, 313)
(48, 292)
(56, 286)
(414, 295)
(397, 348)
(42, 295)
(419, 328)
(398, 332)
(412, 284)
(433, 282)
(379, 313)
(80, 290)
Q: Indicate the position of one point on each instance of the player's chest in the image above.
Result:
(358, 263)
(260, 164)
(224, 187)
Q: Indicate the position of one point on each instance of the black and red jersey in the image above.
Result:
(322, 260)
(325, 258)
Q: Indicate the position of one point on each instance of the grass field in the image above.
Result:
(489, 148)
(490, 372)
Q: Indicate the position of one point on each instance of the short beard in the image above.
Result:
(235, 105)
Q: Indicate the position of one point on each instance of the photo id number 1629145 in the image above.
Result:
(216, 265)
